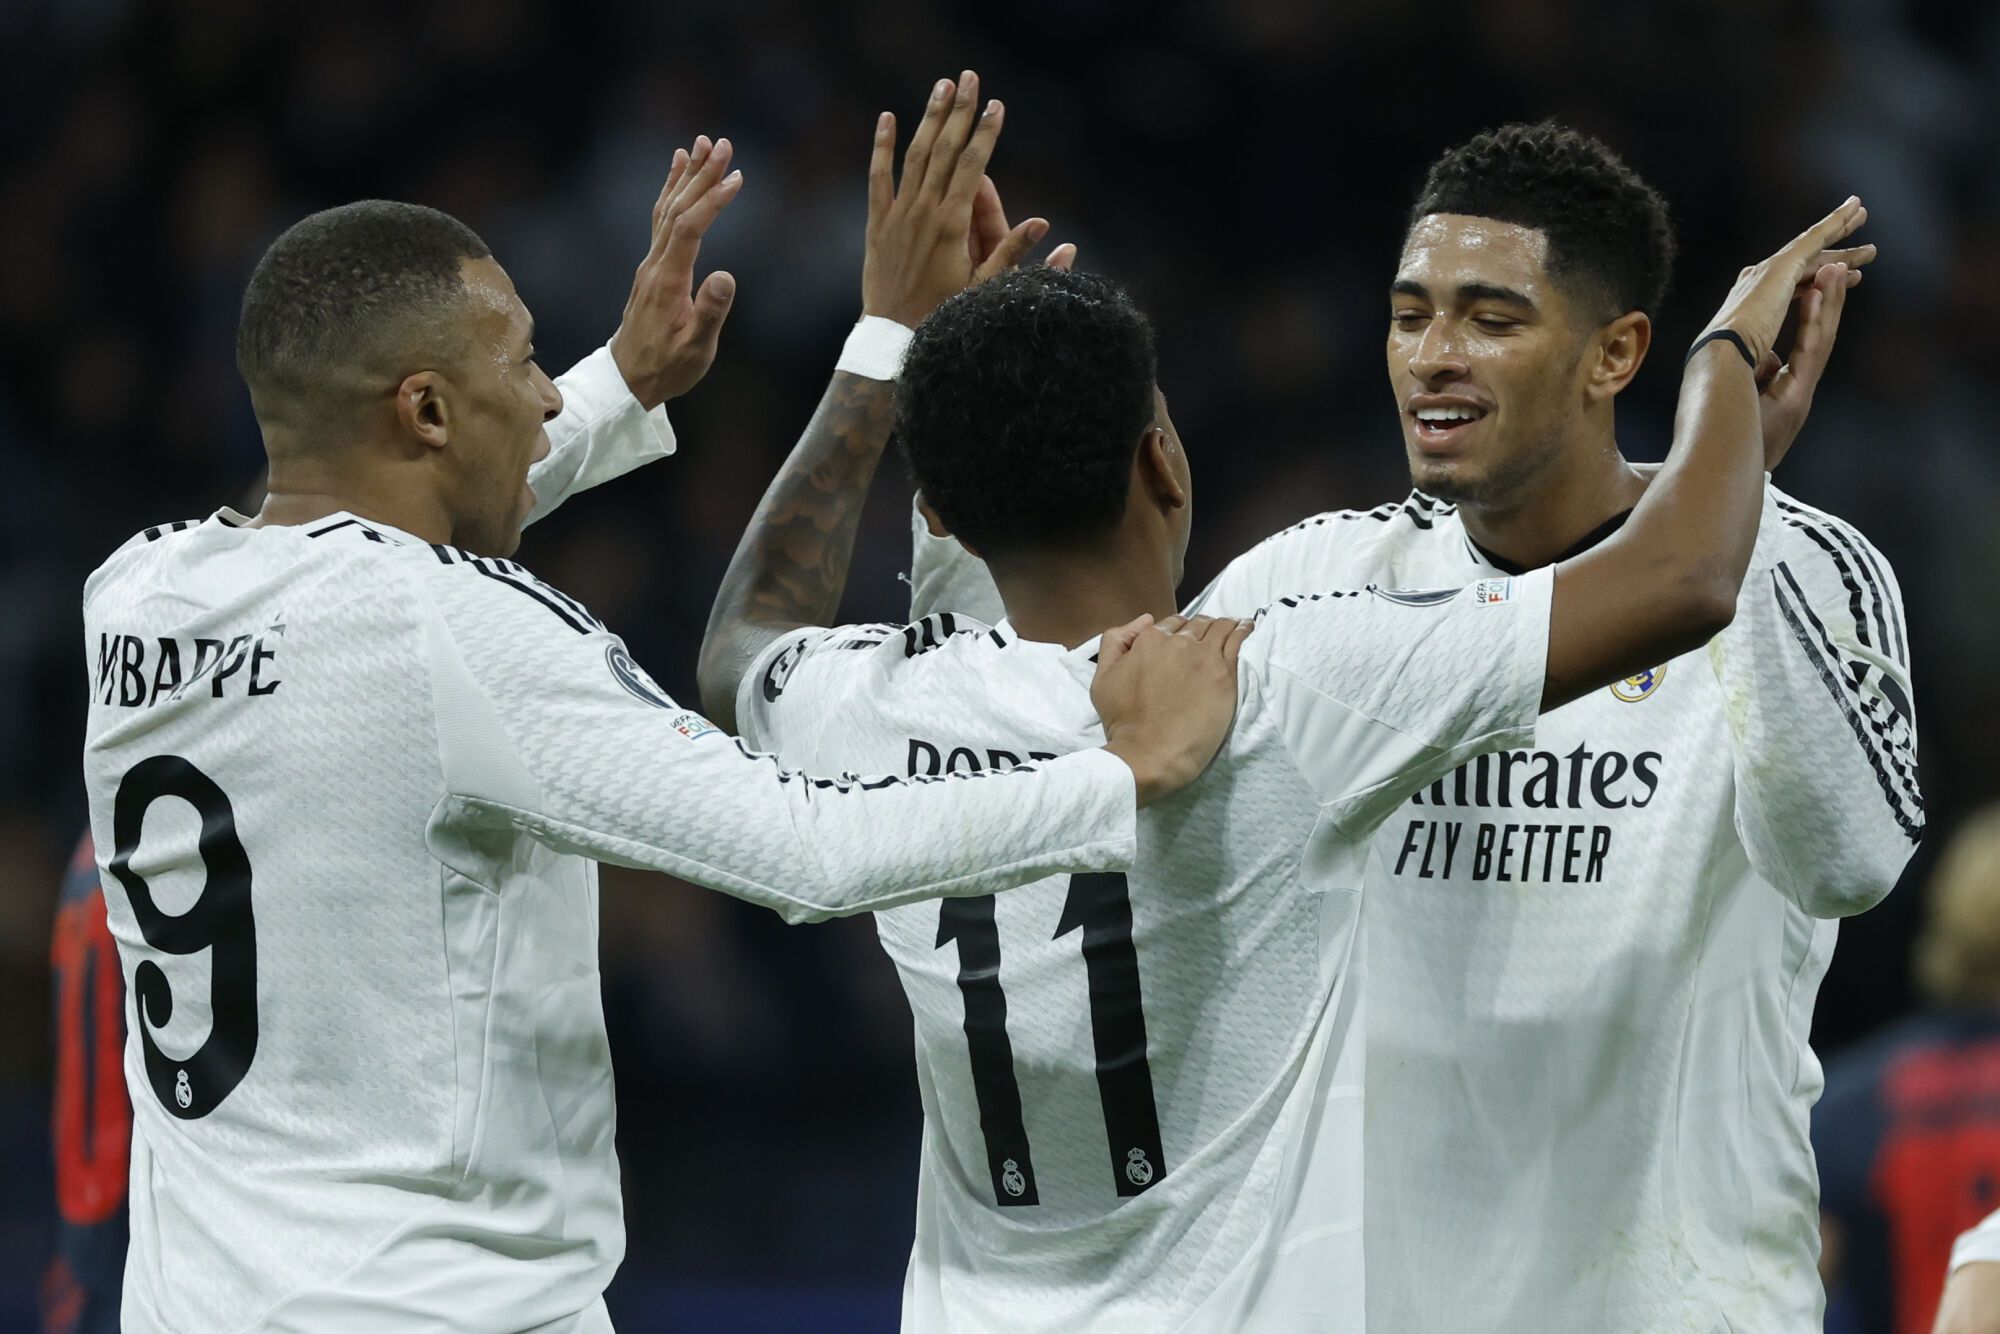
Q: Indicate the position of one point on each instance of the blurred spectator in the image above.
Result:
(1908, 1134)
(93, 1116)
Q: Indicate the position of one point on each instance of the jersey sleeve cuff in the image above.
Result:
(595, 391)
(1106, 804)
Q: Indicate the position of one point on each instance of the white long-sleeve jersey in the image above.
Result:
(1592, 965)
(347, 787)
(1141, 1092)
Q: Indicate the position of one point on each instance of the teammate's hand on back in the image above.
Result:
(942, 228)
(1167, 695)
(1785, 388)
(666, 341)
(1755, 308)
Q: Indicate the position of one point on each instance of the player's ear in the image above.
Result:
(936, 525)
(1621, 348)
(1157, 473)
(421, 410)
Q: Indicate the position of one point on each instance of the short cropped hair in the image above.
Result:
(1021, 405)
(1610, 237)
(342, 287)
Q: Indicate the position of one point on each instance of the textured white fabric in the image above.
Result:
(1592, 965)
(1243, 905)
(601, 433)
(1979, 1246)
(415, 754)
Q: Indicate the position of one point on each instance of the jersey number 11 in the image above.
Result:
(1101, 904)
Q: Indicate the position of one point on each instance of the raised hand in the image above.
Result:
(1755, 308)
(990, 227)
(666, 341)
(1785, 389)
(1166, 695)
(922, 241)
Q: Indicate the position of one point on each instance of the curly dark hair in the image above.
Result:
(1021, 406)
(1609, 233)
(340, 285)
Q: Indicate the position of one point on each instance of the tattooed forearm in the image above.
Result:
(792, 562)
(790, 569)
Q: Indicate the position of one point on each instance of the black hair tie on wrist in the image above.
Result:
(1729, 334)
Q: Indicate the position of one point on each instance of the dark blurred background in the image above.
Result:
(1244, 165)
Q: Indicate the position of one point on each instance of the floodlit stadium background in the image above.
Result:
(1245, 166)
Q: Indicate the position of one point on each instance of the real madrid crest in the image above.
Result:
(1635, 688)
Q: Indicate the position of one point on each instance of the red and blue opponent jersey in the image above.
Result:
(92, 1114)
(1908, 1141)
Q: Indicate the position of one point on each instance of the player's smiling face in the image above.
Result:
(507, 399)
(1485, 357)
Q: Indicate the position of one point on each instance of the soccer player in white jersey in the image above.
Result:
(348, 770)
(1593, 962)
(1971, 1302)
(1141, 1091)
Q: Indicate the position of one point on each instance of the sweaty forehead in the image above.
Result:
(1444, 251)
(496, 305)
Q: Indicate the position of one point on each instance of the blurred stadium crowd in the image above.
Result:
(1244, 166)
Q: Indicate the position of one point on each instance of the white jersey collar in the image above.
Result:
(229, 517)
(1084, 652)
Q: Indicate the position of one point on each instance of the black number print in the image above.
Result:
(1100, 905)
(970, 923)
(220, 921)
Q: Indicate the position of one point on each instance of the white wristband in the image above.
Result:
(874, 350)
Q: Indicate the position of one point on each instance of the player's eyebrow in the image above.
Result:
(1468, 292)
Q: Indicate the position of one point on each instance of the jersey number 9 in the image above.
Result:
(220, 922)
